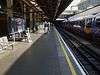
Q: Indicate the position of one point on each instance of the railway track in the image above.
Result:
(87, 58)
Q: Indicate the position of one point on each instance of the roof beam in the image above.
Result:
(26, 2)
(58, 4)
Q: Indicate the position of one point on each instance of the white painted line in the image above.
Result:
(72, 69)
(78, 65)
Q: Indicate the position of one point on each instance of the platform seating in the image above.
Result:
(4, 43)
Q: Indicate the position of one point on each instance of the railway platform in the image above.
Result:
(9, 56)
(57, 52)
(46, 56)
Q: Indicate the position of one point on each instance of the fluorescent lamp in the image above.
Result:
(33, 2)
(0, 6)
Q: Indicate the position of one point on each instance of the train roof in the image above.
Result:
(89, 16)
(76, 18)
(97, 16)
(90, 13)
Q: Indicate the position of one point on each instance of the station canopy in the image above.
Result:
(52, 8)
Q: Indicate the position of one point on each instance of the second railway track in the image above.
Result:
(88, 59)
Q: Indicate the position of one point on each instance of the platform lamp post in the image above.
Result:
(10, 14)
(31, 18)
(9, 8)
(24, 9)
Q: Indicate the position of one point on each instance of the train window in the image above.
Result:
(82, 23)
(98, 22)
(88, 25)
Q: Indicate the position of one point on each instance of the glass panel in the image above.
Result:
(98, 22)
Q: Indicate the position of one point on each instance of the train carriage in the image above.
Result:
(87, 23)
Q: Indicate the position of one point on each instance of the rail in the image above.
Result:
(79, 67)
(84, 55)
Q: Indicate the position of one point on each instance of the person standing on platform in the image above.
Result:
(49, 26)
(46, 26)
(36, 26)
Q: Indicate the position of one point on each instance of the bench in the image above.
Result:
(4, 43)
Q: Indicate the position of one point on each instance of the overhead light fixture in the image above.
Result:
(39, 8)
(0, 6)
(33, 2)
(36, 4)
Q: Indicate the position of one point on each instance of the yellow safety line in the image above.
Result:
(68, 60)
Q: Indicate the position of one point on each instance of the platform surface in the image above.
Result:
(44, 57)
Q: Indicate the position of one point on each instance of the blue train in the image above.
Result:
(85, 24)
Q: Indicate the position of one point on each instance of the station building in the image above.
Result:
(85, 4)
(12, 10)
